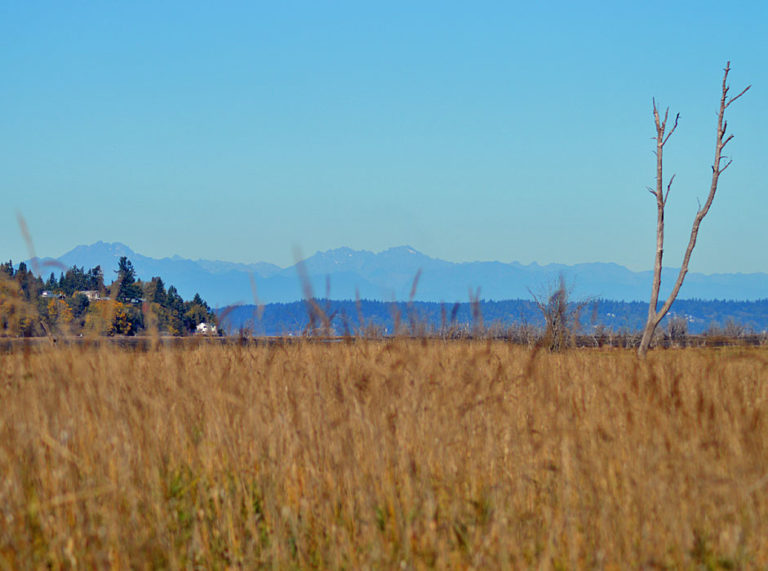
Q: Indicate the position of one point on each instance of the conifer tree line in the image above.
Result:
(80, 302)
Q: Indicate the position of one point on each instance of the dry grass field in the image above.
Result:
(381, 455)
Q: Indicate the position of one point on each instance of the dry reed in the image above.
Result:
(383, 454)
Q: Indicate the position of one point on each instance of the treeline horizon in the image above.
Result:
(341, 317)
(79, 302)
(129, 306)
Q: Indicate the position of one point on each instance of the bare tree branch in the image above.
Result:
(669, 187)
(732, 99)
(677, 118)
(654, 316)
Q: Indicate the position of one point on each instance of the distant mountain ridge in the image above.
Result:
(389, 275)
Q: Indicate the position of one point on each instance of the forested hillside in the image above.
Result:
(79, 301)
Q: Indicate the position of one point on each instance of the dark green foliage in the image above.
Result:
(30, 284)
(174, 315)
(79, 304)
(196, 312)
(127, 289)
(154, 291)
(76, 279)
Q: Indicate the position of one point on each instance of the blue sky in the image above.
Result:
(497, 131)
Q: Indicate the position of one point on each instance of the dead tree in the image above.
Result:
(662, 136)
(561, 317)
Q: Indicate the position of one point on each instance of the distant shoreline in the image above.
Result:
(145, 343)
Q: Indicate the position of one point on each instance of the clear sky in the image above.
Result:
(470, 131)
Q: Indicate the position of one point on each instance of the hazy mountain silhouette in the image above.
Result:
(389, 275)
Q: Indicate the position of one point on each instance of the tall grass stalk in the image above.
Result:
(383, 454)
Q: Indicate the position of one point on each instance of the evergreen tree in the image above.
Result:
(29, 283)
(155, 291)
(174, 305)
(173, 300)
(73, 280)
(7, 269)
(95, 279)
(127, 289)
(196, 312)
(79, 305)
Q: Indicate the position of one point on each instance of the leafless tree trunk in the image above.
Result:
(662, 136)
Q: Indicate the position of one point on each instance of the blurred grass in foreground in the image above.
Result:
(383, 454)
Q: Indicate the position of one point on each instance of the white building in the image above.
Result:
(205, 329)
(91, 294)
(51, 295)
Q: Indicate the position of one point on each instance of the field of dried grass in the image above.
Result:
(383, 454)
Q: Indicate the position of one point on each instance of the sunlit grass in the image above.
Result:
(382, 454)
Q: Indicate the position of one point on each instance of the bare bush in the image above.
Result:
(561, 317)
(677, 328)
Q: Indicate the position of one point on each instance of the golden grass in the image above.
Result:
(412, 454)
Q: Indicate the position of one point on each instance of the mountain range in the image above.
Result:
(344, 273)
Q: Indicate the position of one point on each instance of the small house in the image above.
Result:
(91, 294)
(205, 329)
(51, 295)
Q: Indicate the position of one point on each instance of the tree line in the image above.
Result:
(593, 317)
(80, 302)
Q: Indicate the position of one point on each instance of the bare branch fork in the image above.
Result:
(662, 136)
